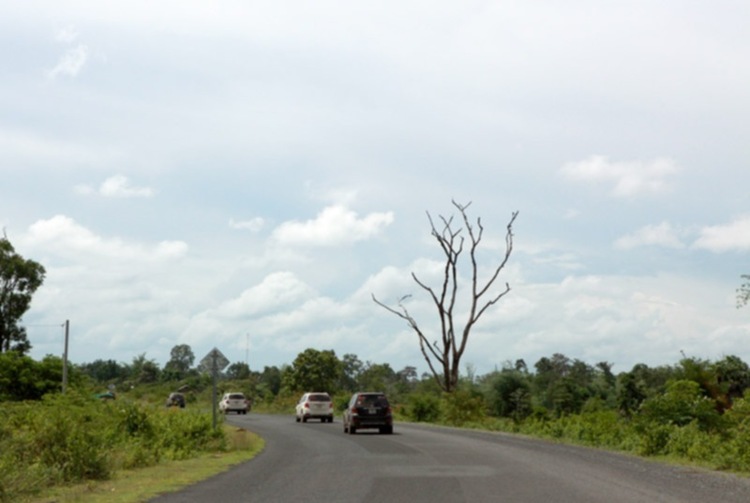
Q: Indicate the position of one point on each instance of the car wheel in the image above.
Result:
(296, 418)
(352, 430)
(304, 419)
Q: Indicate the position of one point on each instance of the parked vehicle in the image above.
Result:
(107, 395)
(316, 405)
(176, 400)
(368, 410)
(234, 402)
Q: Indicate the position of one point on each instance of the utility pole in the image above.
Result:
(65, 357)
(247, 350)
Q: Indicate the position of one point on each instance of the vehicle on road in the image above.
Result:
(176, 400)
(234, 402)
(368, 410)
(314, 405)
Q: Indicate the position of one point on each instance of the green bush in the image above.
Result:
(423, 407)
(462, 407)
(73, 438)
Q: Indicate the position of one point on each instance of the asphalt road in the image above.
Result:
(316, 462)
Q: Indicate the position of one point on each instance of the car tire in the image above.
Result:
(304, 419)
(296, 419)
(352, 430)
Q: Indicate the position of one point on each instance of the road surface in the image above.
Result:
(316, 462)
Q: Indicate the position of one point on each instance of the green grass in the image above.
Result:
(138, 485)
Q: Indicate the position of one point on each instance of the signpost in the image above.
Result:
(214, 362)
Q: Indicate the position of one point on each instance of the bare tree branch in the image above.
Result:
(451, 241)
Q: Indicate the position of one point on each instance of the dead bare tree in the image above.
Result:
(444, 357)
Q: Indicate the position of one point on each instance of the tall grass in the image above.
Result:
(72, 438)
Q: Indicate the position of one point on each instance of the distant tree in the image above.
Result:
(444, 357)
(144, 370)
(105, 370)
(563, 385)
(630, 393)
(181, 359)
(733, 377)
(270, 380)
(238, 370)
(704, 374)
(510, 394)
(351, 369)
(743, 292)
(682, 402)
(377, 377)
(314, 370)
(19, 279)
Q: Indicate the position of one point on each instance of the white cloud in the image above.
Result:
(722, 238)
(116, 186)
(627, 178)
(333, 226)
(655, 235)
(67, 35)
(71, 63)
(276, 291)
(72, 240)
(253, 225)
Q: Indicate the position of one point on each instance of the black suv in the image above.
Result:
(368, 410)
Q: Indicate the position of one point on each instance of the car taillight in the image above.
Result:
(330, 405)
(307, 405)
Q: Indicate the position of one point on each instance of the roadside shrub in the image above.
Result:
(462, 407)
(73, 438)
(423, 407)
(681, 404)
(654, 439)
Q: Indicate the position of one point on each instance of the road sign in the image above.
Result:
(213, 362)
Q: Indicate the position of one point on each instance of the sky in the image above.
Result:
(247, 175)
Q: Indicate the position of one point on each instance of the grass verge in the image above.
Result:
(135, 486)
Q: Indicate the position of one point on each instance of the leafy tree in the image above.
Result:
(630, 393)
(180, 361)
(351, 369)
(105, 370)
(510, 394)
(270, 379)
(314, 370)
(444, 358)
(377, 377)
(682, 403)
(19, 279)
(144, 370)
(653, 379)
(238, 370)
(733, 377)
(700, 371)
(23, 378)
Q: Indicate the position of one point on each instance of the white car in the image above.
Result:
(317, 405)
(234, 402)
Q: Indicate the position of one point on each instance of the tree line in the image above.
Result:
(553, 386)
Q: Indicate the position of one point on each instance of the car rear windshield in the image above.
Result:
(319, 398)
(372, 401)
(236, 396)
